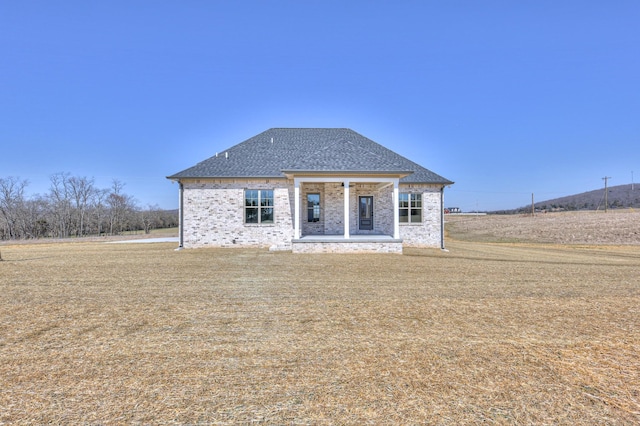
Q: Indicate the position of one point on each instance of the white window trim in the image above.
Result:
(409, 209)
(259, 207)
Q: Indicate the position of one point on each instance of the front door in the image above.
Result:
(366, 213)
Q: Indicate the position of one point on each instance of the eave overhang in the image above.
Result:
(177, 178)
(347, 173)
(443, 183)
(291, 174)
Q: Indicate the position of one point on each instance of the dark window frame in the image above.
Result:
(313, 208)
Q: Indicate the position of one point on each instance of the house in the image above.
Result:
(311, 190)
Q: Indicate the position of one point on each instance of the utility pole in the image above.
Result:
(632, 180)
(533, 206)
(606, 198)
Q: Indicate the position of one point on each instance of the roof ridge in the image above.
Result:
(309, 128)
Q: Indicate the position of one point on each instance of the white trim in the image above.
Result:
(442, 218)
(411, 209)
(396, 210)
(346, 208)
(296, 209)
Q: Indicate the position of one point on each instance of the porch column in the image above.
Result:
(346, 208)
(396, 210)
(296, 208)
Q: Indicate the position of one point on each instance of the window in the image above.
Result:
(258, 206)
(410, 208)
(313, 207)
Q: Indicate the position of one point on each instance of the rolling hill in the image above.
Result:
(618, 197)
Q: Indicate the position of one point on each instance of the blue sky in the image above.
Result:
(506, 98)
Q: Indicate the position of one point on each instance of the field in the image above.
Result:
(495, 333)
(617, 227)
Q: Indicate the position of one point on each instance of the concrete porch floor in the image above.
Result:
(370, 238)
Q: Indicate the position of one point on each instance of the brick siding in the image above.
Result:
(428, 232)
(214, 213)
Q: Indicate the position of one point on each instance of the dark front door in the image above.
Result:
(366, 213)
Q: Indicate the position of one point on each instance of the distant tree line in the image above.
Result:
(74, 207)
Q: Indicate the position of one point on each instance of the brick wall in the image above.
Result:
(334, 209)
(214, 213)
(427, 233)
(382, 209)
(306, 227)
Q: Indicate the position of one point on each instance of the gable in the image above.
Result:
(272, 153)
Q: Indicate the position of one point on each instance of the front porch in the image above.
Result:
(352, 244)
(346, 214)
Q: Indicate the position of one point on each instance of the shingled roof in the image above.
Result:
(277, 152)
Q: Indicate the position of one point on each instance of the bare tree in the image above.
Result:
(150, 218)
(60, 203)
(81, 190)
(33, 221)
(37, 213)
(74, 206)
(99, 210)
(120, 205)
(11, 205)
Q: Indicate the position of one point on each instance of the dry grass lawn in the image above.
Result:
(620, 227)
(99, 333)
